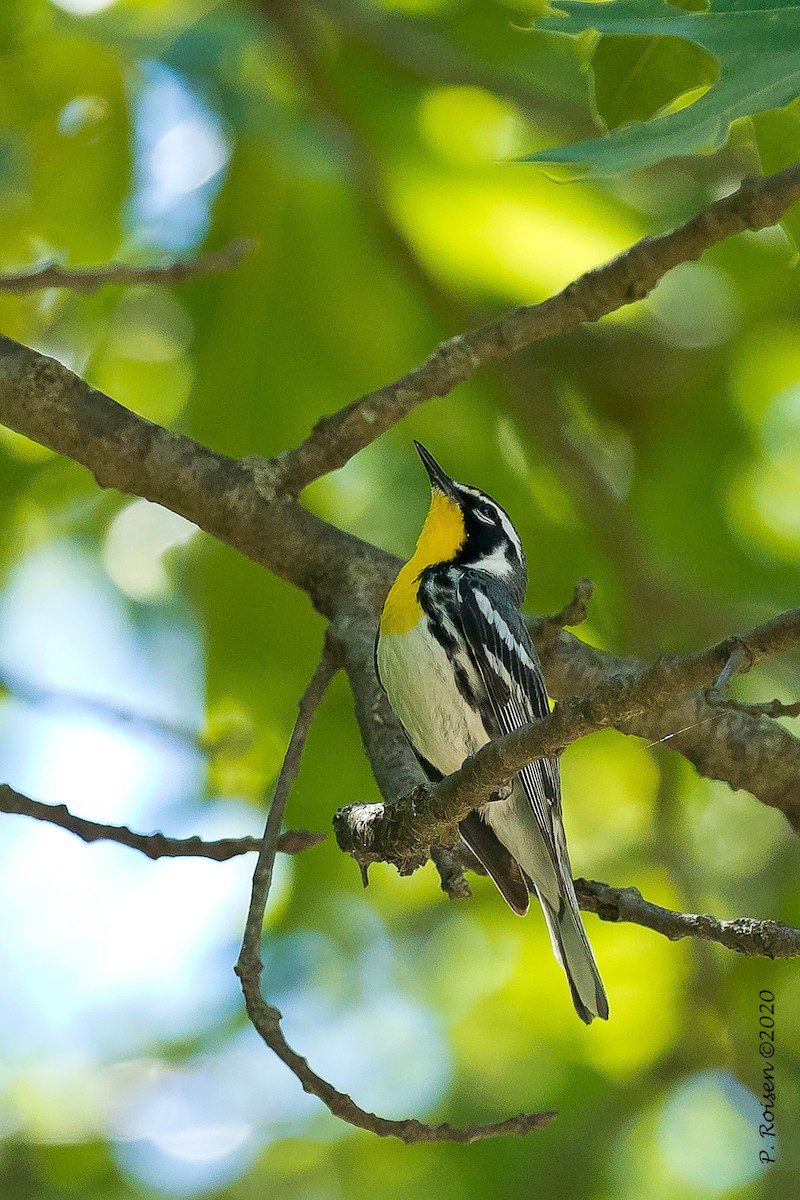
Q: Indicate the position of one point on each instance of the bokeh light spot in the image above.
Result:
(83, 8)
(187, 156)
(707, 1132)
(137, 540)
(468, 125)
(80, 113)
(695, 306)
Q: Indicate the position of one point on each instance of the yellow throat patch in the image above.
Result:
(441, 539)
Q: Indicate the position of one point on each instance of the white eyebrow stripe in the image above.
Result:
(503, 516)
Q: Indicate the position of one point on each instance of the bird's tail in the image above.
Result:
(571, 948)
(509, 843)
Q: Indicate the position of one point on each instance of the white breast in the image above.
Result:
(420, 684)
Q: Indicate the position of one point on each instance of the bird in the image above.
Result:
(459, 668)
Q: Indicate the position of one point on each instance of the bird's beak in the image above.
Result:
(439, 481)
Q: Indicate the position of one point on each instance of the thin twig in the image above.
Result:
(450, 865)
(576, 609)
(89, 279)
(266, 1019)
(739, 662)
(153, 845)
(762, 708)
(745, 935)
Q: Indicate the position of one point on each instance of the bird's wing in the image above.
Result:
(507, 662)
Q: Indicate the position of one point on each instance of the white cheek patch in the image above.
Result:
(496, 564)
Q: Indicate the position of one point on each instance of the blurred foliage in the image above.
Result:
(657, 452)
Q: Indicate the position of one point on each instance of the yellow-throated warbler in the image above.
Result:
(459, 668)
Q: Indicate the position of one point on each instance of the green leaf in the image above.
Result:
(755, 42)
(636, 78)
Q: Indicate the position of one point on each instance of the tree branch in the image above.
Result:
(240, 503)
(402, 831)
(745, 935)
(336, 438)
(154, 845)
(611, 904)
(89, 279)
(346, 578)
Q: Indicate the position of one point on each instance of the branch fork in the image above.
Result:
(402, 831)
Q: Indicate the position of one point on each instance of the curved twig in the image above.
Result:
(266, 1019)
(89, 279)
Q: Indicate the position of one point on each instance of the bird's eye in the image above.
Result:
(485, 513)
